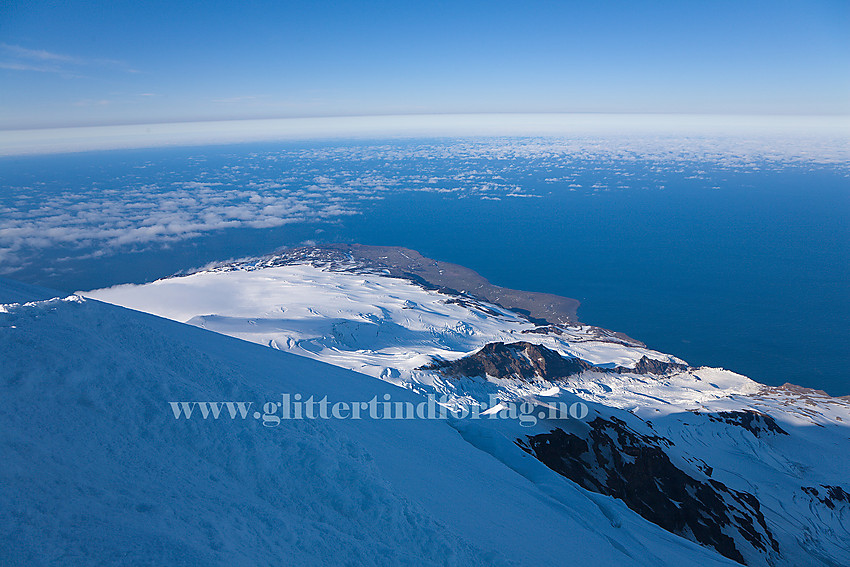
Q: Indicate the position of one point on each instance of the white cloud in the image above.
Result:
(17, 58)
(145, 214)
(159, 205)
(37, 54)
(12, 66)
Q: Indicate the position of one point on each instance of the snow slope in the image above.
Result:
(377, 325)
(389, 328)
(96, 469)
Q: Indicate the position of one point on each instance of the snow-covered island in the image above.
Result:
(671, 464)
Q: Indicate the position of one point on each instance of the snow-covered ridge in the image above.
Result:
(409, 264)
(96, 470)
(713, 429)
(354, 317)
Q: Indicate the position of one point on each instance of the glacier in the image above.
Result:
(757, 473)
(96, 469)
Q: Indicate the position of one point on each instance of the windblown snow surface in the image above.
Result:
(95, 468)
(766, 468)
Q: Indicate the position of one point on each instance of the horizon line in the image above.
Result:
(73, 139)
(101, 124)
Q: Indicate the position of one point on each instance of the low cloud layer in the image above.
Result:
(140, 204)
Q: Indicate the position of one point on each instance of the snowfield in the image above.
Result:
(783, 448)
(97, 470)
(376, 325)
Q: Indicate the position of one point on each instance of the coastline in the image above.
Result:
(543, 309)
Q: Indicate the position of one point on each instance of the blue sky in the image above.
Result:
(81, 63)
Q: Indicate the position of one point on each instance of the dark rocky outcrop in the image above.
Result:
(471, 304)
(648, 365)
(545, 330)
(615, 460)
(800, 390)
(521, 360)
(597, 333)
(530, 361)
(831, 496)
(753, 421)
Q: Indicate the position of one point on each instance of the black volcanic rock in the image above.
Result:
(544, 330)
(523, 360)
(753, 421)
(615, 460)
(832, 495)
(648, 365)
(530, 361)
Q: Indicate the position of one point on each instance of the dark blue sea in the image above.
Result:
(743, 265)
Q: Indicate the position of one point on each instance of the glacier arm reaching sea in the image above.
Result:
(703, 452)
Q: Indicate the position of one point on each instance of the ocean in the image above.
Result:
(743, 265)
